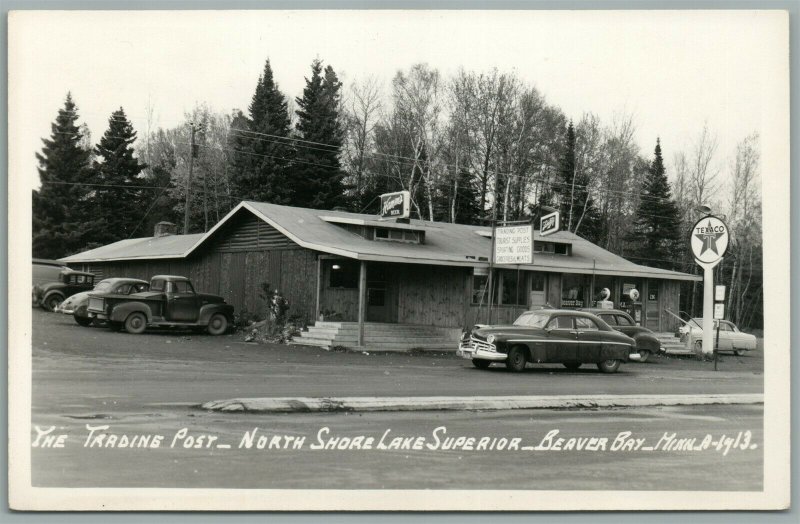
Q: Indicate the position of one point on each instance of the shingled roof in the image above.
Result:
(445, 244)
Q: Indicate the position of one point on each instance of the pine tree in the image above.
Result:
(565, 185)
(577, 208)
(467, 199)
(656, 232)
(119, 199)
(60, 214)
(260, 165)
(318, 176)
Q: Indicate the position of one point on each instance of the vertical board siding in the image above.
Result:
(431, 295)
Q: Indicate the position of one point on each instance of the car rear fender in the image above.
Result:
(646, 342)
(210, 309)
(121, 311)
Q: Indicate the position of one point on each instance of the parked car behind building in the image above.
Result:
(77, 305)
(50, 294)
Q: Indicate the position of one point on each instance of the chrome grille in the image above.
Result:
(482, 345)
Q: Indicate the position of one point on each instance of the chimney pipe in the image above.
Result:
(163, 229)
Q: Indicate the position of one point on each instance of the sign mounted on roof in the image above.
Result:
(513, 245)
(396, 205)
(549, 224)
(709, 240)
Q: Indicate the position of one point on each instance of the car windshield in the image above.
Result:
(103, 286)
(532, 319)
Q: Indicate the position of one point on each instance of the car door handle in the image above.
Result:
(574, 333)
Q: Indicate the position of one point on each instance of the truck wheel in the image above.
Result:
(217, 324)
(136, 323)
(516, 359)
(481, 364)
(52, 302)
(609, 366)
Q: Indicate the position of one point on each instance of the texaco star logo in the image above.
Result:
(709, 240)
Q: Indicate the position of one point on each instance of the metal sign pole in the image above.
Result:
(708, 309)
(716, 348)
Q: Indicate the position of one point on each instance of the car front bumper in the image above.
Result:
(466, 350)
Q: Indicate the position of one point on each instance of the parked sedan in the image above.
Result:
(568, 337)
(49, 295)
(646, 341)
(77, 305)
(730, 338)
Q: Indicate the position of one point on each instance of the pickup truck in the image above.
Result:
(170, 302)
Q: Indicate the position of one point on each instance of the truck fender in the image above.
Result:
(208, 310)
(121, 312)
(52, 293)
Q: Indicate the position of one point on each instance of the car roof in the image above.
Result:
(600, 311)
(169, 277)
(114, 280)
(577, 312)
(74, 272)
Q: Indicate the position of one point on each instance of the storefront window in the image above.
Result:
(480, 290)
(513, 288)
(572, 290)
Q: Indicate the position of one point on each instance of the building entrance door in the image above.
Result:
(381, 294)
(538, 295)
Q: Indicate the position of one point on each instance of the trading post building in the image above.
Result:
(356, 268)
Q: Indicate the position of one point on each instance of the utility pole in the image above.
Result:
(192, 153)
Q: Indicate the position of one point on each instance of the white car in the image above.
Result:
(730, 338)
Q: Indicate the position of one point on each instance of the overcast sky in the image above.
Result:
(672, 70)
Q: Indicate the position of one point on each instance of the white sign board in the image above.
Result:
(719, 293)
(513, 245)
(549, 224)
(709, 240)
(396, 205)
(719, 311)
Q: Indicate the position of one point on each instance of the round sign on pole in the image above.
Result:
(709, 240)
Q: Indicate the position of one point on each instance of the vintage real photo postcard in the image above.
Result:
(398, 260)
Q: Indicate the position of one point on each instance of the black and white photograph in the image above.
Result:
(398, 260)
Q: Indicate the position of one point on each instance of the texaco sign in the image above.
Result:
(709, 240)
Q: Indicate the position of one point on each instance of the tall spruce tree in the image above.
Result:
(260, 165)
(119, 198)
(60, 211)
(656, 232)
(318, 176)
(579, 214)
(565, 185)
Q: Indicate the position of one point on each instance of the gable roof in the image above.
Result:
(445, 244)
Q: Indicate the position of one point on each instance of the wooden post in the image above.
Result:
(362, 301)
(319, 288)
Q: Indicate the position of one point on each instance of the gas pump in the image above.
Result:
(632, 305)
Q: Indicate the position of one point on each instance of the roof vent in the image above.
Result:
(163, 229)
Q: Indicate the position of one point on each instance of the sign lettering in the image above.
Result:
(513, 245)
(396, 205)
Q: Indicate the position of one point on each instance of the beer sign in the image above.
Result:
(396, 205)
(549, 224)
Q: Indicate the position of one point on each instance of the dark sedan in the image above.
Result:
(646, 341)
(568, 337)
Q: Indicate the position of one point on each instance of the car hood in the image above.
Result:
(484, 331)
